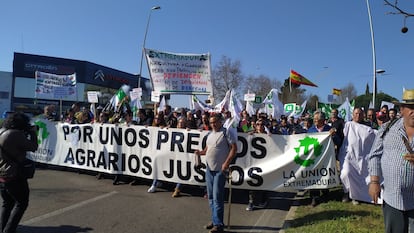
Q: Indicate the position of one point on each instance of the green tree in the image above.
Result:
(367, 89)
(364, 100)
(291, 95)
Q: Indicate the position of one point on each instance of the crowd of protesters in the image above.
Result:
(360, 132)
(285, 125)
(197, 119)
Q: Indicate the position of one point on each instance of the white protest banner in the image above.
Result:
(53, 86)
(263, 162)
(155, 96)
(135, 95)
(93, 96)
(249, 97)
(174, 73)
(389, 104)
(137, 92)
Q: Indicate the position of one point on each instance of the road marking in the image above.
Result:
(259, 221)
(66, 209)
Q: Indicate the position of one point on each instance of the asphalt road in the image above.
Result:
(63, 201)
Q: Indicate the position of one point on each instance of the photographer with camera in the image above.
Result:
(17, 137)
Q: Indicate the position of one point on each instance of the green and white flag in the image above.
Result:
(327, 108)
(197, 104)
(298, 111)
(273, 107)
(345, 110)
(115, 101)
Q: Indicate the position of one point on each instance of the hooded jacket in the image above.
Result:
(14, 144)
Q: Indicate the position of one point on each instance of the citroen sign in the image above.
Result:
(99, 74)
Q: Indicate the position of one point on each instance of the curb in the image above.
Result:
(291, 214)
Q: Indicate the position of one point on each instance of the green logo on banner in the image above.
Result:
(307, 142)
(43, 128)
(290, 107)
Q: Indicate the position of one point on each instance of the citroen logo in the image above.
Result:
(99, 74)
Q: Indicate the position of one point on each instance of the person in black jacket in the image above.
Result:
(338, 124)
(17, 137)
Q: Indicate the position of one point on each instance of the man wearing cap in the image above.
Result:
(391, 165)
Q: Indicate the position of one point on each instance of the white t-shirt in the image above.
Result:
(218, 147)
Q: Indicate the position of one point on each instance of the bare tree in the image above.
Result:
(260, 85)
(399, 11)
(348, 91)
(311, 105)
(226, 75)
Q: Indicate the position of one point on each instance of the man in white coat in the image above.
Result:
(353, 158)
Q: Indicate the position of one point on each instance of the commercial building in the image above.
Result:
(5, 89)
(90, 77)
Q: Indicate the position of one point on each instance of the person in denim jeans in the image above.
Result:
(16, 138)
(220, 150)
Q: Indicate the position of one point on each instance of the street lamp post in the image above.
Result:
(374, 60)
(377, 71)
(143, 44)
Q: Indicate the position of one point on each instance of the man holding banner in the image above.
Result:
(319, 126)
(221, 148)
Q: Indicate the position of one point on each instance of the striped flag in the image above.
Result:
(336, 91)
(297, 78)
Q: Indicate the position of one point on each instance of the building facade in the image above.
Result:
(90, 77)
(5, 91)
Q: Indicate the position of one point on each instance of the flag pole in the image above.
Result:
(229, 200)
(95, 118)
(191, 102)
(60, 109)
